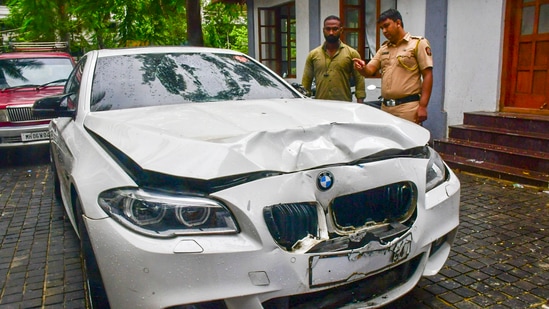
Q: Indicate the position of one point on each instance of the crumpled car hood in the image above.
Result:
(211, 140)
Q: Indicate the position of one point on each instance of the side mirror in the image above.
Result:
(52, 107)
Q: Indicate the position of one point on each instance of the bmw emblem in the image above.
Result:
(324, 181)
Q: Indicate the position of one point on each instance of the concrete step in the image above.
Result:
(500, 136)
(520, 165)
(518, 175)
(509, 146)
(496, 154)
(510, 121)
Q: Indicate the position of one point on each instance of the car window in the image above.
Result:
(132, 81)
(72, 87)
(33, 72)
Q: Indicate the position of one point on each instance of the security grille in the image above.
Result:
(20, 114)
(391, 203)
(381, 214)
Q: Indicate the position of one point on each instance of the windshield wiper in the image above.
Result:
(63, 80)
(36, 87)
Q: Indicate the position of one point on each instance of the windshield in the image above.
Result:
(33, 72)
(132, 81)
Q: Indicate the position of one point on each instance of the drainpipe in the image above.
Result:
(436, 23)
(251, 28)
(314, 23)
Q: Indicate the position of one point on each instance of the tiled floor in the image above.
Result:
(500, 258)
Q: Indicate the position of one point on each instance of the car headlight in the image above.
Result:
(163, 215)
(3, 115)
(436, 170)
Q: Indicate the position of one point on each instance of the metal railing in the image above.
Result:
(36, 46)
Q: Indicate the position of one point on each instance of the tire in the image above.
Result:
(96, 296)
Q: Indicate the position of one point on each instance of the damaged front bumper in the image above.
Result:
(252, 270)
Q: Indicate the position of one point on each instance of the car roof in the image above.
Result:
(26, 55)
(162, 49)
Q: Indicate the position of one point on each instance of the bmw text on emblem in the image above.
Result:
(324, 181)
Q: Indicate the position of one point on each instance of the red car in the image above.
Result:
(32, 71)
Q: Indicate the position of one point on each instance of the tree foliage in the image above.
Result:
(92, 24)
(49, 25)
(225, 26)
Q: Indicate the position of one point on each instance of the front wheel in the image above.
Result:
(96, 296)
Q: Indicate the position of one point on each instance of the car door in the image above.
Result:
(60, 152)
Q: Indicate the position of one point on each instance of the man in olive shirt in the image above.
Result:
(406, 67)
(331, 66)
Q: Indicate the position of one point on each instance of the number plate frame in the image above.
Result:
(325, 270)
(35, 136)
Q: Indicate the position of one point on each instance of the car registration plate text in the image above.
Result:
(35, 136)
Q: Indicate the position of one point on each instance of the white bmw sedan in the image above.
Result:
(198, 178)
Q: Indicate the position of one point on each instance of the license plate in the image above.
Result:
(332, 269)
(35, 136)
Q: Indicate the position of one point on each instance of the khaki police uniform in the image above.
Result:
(401, 65)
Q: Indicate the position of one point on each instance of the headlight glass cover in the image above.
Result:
(3, 115)
(160, 214)
(436, 170)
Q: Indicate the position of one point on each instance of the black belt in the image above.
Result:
(395, 102)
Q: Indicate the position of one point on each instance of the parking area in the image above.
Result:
(39, 251)
(500, 258)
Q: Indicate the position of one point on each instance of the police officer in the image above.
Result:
(406, 67)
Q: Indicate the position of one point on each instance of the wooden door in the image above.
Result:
(525, 83)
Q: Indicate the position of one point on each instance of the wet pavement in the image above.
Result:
(500, 258)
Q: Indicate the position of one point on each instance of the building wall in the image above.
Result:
(413, 16)
(304, 34)
(473, 58)
(413, 12)
(4, 11)
(474, 43)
